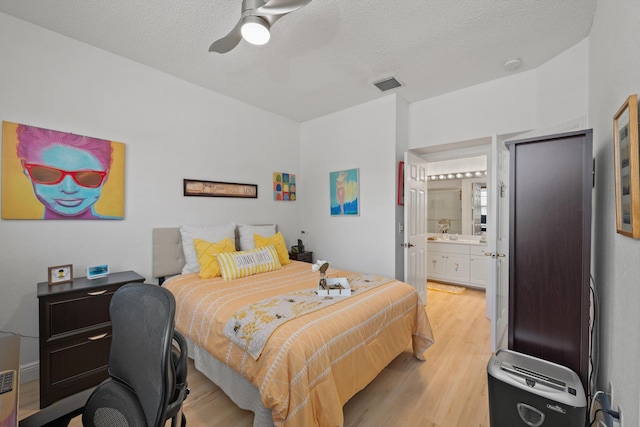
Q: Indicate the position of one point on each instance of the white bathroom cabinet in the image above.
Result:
(458, 263)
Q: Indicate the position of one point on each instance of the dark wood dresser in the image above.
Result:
(551, 180)
(75, 333)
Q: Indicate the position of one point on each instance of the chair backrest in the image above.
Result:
(142, 318)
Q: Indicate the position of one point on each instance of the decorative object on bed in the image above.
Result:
(193, 187)
(246, 234)
(627, 168)
(321, 266)
(207, 254)
(42, 167)
(334, 287)
(234, 265)
(284, 186)
(212, 233)
(345, 192)
(277, 240)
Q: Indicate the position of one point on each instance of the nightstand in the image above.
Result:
(75, 333)
(302, 256)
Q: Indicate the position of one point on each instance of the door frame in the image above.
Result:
(472, 148)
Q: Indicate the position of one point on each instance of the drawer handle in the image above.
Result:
(93, 294)
(98, 337)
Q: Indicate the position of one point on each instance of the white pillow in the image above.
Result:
(213, 233)
(246, 233)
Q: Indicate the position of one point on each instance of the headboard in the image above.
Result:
(168, 257)
(167, 253)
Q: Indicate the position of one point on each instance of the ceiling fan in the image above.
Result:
(257, 18)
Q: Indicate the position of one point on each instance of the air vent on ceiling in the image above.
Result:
(387, 84)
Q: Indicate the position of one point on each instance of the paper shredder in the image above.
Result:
(531, 392)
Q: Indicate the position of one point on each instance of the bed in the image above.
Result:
(303, 371)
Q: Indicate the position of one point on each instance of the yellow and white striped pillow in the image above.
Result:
(234, 265)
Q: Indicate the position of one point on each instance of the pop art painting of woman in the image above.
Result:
(48, 174)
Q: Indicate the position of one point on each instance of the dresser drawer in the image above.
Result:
(70, 366)
(78, 358)
(77, 312)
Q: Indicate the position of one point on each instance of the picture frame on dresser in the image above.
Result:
(627, 168)
(60, 274)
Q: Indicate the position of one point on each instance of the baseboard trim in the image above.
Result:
(29, 372)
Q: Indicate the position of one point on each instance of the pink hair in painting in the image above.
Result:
(32, 141)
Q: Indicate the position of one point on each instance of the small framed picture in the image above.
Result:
(60, 274)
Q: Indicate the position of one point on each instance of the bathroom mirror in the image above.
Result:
(457, 206)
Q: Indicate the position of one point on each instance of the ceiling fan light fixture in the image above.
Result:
(255, 30)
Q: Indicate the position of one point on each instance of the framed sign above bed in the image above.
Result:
(193, 187)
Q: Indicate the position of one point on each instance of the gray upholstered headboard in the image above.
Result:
(168, 257)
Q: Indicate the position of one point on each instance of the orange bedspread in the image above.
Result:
(311, 365)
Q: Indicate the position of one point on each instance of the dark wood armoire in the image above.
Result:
(551, 180)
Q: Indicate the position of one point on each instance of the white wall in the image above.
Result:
(551, 94)
(172, 130)
(499, 106)
(614, 75)
(361, 137)
(563, 93)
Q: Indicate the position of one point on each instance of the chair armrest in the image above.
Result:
(58, 413)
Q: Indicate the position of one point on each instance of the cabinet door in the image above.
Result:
(435, 265)
(458, 268)
(478, 270)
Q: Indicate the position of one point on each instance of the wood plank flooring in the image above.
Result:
(448, 389)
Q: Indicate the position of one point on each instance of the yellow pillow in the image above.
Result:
(277, 240)
(206, 254)
(245, 263)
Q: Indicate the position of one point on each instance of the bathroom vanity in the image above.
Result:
(460, 262)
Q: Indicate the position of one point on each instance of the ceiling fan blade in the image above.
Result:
(229, 41)
(280, 7)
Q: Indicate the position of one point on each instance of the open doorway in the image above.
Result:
(458, 191)
(495, 251)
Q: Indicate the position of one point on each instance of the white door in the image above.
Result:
(498, 241)
(415, 223)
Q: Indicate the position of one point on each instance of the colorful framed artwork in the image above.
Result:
(284, 186)
(627, 168)
(344, 188)
(47, 174)
(60, 274)
(194, 187)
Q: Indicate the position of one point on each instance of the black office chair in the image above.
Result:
(148, 374)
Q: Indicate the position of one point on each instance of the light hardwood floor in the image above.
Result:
(448, 389)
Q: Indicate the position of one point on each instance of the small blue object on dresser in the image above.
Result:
(97, 271)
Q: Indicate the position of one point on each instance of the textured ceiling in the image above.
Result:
(324, 57)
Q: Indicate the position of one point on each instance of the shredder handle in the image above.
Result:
(531, 416)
